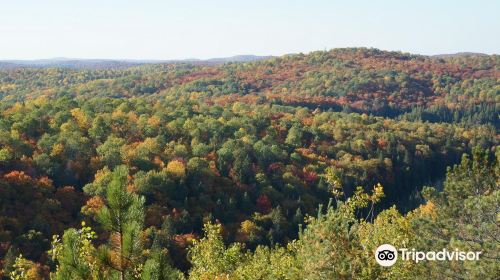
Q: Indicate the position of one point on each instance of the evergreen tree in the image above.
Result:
(122, 217)
(158, 265)
(9, 259)
(122, 256)
(464, 216)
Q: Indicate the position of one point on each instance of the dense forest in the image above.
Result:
(291, 167)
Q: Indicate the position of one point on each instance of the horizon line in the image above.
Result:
(69, 58)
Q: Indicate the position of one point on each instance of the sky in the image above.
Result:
(154, 29)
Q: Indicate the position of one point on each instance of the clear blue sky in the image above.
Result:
(150, 29)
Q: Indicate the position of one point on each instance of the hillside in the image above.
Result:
(244, 152)
(389, 84)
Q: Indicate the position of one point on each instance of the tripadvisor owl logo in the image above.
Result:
(386, 255)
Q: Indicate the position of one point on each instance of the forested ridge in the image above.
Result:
(219, 171)
(450, 89)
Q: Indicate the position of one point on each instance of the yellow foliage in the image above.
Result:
(248, 227)
(26, 270)
(378, 193)
(14, 108)
(428, 209)
(57, 149)
(66, 127)
(176, 168)
(150, 144)
(334, 181)
(118, 114)
(6, 87)
(81, 118)
(132, 117)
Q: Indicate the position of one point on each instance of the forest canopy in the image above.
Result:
(290, 167)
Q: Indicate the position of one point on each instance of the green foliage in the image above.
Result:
(266, 263)
(211, 259)
(122, 257)
(339, 245)
(294, 137)
(330, 246)
(9, 261)
(110, 151)
(123, 217)
(75, 255)
(157, 267)
(255, 147)
(465, 216)
(158, 264)
(24, 269)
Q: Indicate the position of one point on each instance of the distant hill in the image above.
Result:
(454, 87)
(459, 54)
(67, 63)
(239, 58)
(7, 65)
(75, 63)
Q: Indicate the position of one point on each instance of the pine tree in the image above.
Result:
(158, 265)
(9, 259)
(123, 255)
(466, 214)
(123, 217)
